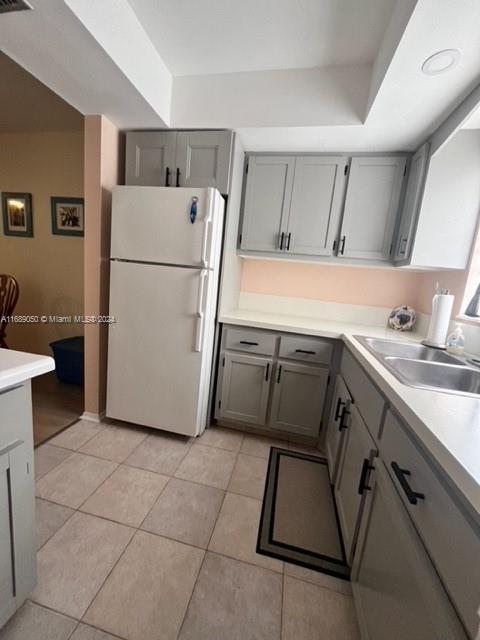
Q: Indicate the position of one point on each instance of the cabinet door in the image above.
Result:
(397, 592)
(23, 520)
(150, 158)
(7, 589)
(298, 398)
(267, 202)
(337, 425)
(317, 195)
(371, 206)
(203, 159)
(413, 198)
(357, 456)
(245, 385)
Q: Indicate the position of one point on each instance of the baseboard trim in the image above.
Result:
(93, 417)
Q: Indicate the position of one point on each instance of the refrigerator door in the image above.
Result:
(154, 224)
(160, 347)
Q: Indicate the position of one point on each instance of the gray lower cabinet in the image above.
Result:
(245, 387)
(298, 398)
(398, 594)
(273, 380)
(179, 159)
(371, 205)
(337, 425)
(7, 589)
(17, 501)
(352, 478)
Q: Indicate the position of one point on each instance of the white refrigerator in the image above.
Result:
(165, 261)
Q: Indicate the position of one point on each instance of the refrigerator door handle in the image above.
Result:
(205, 242)
(200, 312)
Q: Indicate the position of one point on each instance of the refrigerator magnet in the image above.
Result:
(193, 209)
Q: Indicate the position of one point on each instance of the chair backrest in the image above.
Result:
(9, 291)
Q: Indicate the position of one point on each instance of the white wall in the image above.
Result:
(452, 192)
(49, 268)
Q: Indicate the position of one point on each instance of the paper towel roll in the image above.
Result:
(442, 305)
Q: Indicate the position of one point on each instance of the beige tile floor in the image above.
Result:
(146, 536)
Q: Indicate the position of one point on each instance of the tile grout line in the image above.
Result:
(208, 544)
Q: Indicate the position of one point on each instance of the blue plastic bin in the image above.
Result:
(68, 354)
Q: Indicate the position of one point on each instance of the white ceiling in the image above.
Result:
(28, 105)
(229, 36)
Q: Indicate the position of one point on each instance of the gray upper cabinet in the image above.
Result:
(267, 201)
(203, 159)
(352, 477)
(315, 209)
(373, 194)
(298, 398)
(397, 590)
(179, 158)
(150, 158)
(244, 390)
(413, 197)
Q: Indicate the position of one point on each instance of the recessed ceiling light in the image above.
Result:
(441, 61)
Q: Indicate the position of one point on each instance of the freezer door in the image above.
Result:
(154, 224)
(160, 348)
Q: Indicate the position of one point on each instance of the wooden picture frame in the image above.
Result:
(17, 214)
(68, 216)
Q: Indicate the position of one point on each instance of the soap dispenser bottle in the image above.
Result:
(456, 341)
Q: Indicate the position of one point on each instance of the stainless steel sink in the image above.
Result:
(410, 350)
(434, 375)
(424, 367)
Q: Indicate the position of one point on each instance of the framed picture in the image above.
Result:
(17, 214)
(67, 216)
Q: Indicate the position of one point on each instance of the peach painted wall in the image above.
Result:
(104, 160)
(351, 285)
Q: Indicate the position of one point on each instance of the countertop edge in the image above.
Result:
(17, 374)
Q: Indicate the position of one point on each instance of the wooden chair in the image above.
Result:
(9, 291)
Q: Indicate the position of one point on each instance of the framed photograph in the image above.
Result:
(17, 214)
(67, 216)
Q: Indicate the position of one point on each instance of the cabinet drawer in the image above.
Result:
(450, 538)
(368, 400)
(305, 349)
(250, 340)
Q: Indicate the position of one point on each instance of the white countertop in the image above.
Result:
(17, 366)
(448, 425)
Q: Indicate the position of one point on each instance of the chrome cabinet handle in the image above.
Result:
(267, 372)
(178, 178)
(309, 353)
(401, 474)
(167, 177)
(279, 373)
(342, 248)
(289, 237)
(282, 236)
(250, 344)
